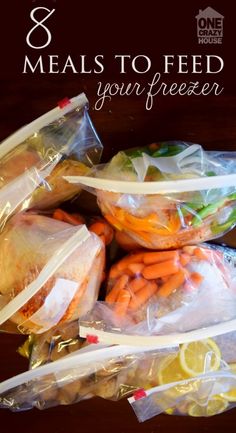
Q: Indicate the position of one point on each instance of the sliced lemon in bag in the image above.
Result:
(216, 405)
(230, 395)
(199, 357)
(169, 411)
(169, 370)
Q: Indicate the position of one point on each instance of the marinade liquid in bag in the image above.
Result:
(50, 273)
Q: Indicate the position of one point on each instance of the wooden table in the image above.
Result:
(123, 122)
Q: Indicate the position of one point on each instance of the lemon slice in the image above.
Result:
(199, 357)
(216, 405)
(230, 395)
(169, 411)
(169, 370)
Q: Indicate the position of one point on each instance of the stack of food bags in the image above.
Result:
(164, 334)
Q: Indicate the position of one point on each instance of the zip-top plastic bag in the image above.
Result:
(167, 195)
(34, 160)
(154, 294)
(59, 341)
(96, 370)
(199, 381)
(50, 273)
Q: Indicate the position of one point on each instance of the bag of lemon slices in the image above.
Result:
(199, 381)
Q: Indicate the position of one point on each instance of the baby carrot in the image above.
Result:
(122, 302)
(160, 270)
(102, 228)
(133, 258)
(156, 257)
(61, 215)
(164, 279)
(189, 250)
(142, 296)
(196, 278)
(58, 215)
(173, 283)
(136, 284)
(184, 259)
(200, 254)
(118, 286)
(114, 272)
(136, 268)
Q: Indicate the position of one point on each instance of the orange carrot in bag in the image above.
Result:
(201, 254)
(160, 256)
(196, 278)
(173, 283)
(143, 295)
(124, 263)
(184, 259)
(118, 286)
(136, 268)
(188, 250)
(114, 272)
(103, 230)
(122, 302)
(74, 219)
(136, 284)
(160, 269)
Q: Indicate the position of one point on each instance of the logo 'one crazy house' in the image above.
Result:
(209, 26)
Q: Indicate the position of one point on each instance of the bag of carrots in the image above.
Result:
(152, 295)
(51, 272)
(34, 159)
(166, 195)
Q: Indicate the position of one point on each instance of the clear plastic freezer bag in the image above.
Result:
(166, 195)
(52, 345)
(153, 295)
(114, 372)
(50, 273)
(199, 381)
(34, 160)
(110, 372)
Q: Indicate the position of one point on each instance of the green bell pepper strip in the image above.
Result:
(208, 210)
(187, 207)
(220, 228)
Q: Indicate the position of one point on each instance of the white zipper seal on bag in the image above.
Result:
(69, 362)
(159, 341)
(51, 116)
(159, 187)
(81, 235)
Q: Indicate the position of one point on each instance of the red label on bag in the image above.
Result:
(140, 393)
(64, 102)
(92, 339)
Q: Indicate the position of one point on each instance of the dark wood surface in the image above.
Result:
(121, 123)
